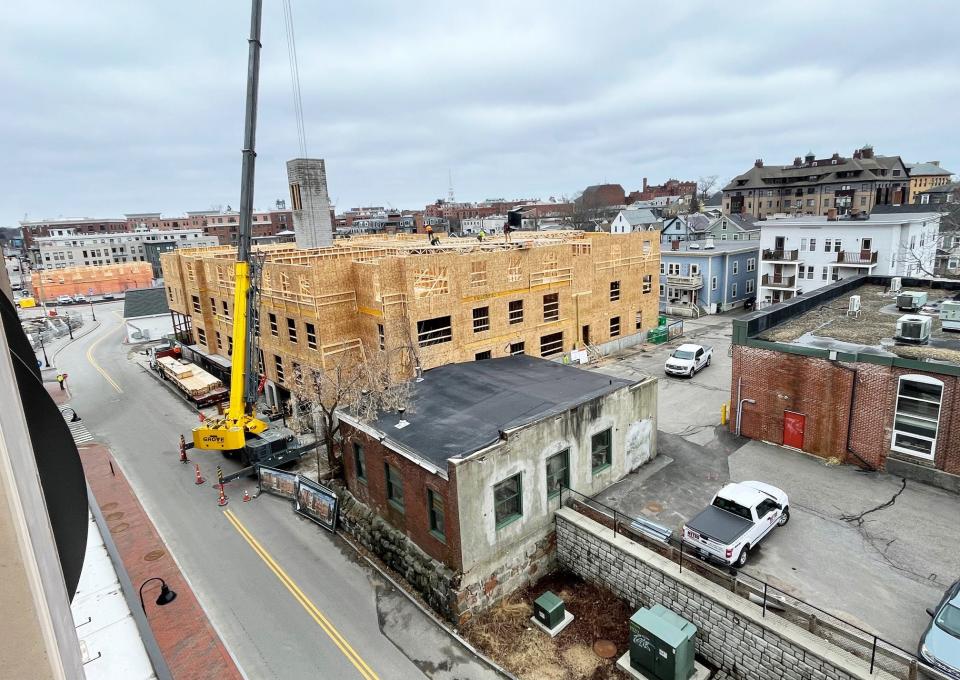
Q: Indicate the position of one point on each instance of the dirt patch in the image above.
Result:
(506, 634)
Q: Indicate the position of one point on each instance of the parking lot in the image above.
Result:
(879, 571)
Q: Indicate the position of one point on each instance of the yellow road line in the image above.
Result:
(365, 671)
(93, 362)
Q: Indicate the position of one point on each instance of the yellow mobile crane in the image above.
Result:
(239, 432)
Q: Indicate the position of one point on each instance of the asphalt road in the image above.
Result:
(288, 598)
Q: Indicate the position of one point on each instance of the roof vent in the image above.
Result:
(693, 246)
(914, 329)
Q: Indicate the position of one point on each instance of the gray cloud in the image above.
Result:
(113, 107)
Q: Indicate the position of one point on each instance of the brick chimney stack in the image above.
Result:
(797, 162)
(758, 163)
(644, 183)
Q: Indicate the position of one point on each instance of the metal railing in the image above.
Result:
(692, 281)
(859, 257)
(778, 281)
(784, 255)
(864, 644)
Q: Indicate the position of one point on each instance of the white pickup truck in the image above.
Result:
(737, 519)
(687, 359)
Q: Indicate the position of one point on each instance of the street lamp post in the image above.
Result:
(46, 361)
(93, 312)
(166, 594)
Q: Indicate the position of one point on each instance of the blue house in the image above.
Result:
(707, 277)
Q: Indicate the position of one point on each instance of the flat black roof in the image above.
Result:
(461, 408)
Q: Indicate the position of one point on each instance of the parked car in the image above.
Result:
(940, 643)
(687, 359)
(108, 296)
(737, 519)
(80, 299)
(64, 300)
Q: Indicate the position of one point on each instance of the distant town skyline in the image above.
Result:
(123, 107)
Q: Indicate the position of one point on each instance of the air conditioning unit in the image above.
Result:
(950, 315)
(854, 304)
(911, 301)
(693, 246)
(914, 329)
(896, 283)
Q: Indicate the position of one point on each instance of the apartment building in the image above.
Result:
(813, 186)
(224, 226)
(421, 306)
(68, 248)
(926, 176)
(32, 229)
(671, 188)
(707, 277)
(801, 254)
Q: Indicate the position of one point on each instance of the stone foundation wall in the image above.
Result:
(732, 634)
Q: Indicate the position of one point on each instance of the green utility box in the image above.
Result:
(549, 610)
(662, 321)
(658, 335)
(661, 644)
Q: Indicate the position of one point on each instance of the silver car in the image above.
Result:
(940, 643)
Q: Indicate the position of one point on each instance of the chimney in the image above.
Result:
(856, 154)
(832, 215)
(937, 163)
(835, 156)
(758, 163)
(644, 183)
(867, 151)
(797, 162)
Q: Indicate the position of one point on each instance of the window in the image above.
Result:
(507, 501)
(736, 267)
(694, 269)
(662, 268)
(810, 272)
(614, 291)
(436, 514)
(751, 264)
(558, 472)
(226, 310)
(749, 286)
(517, 348)
(381, 338)
(614, 326)
(863, 200)
(823, 273)
(201, 336)
(647, 283)
(661, 290)
(434, 331)
(292, 330)
(551, 307)
(219, 340)
(359, 462)
(733, 290)
(813, 244)
(600, 457)
(196, 303)
(229, 346)
(836, 246)
(278, 364)
(827, 245)
(274, 331)
(835, 274)
(713, 283)
(917, 415)
(213, 306)
(639, 320)
(311, 335)
(515, 311)
(673, 269)
(551, 344)
(480, 356)
(809, 202)
(481, 319)
(394, 486)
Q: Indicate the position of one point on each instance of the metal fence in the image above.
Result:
(879, 653)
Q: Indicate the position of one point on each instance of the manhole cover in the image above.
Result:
(114, 516)
(653, 506)
(117, 528)
(108, 506)
(605, 649)
(153, 555)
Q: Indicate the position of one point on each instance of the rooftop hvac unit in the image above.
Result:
(853, 309)
(693, 246)
(950, 315)
(911, 301)
(914, 329)
(896, 283)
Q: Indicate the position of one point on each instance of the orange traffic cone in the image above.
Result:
(200, 479)
(246, 496)
(223, 497)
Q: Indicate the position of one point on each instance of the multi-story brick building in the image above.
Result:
(601, 196)
(31, 229)
(474, 472)
(672, 187)
(813, 186)
(542, 295)
(224, 226)
(825, 374)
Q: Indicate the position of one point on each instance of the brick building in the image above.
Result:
(811, 375)
(225, 225)
(543, 294)
(672, 187)
(601, 196)
(471, 471)
(31, 229)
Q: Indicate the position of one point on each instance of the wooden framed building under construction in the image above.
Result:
(420, 306)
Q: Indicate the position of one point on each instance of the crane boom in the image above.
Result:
(229, 433)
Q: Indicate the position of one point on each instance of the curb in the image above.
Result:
(433, 617)
(75, 338)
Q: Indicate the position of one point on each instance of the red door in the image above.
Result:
(793, 429)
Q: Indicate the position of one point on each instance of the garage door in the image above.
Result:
(793, 424)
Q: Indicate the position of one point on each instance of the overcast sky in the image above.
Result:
(132, 106)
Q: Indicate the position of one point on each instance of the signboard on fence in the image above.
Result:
(277, 482)
(317, 502)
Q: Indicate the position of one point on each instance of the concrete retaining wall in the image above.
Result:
(732, 633)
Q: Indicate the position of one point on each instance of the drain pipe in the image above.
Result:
(741, 402)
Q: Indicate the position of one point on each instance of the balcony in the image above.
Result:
(781, 255)
(694, 282)
(778, 281)
(857, 258)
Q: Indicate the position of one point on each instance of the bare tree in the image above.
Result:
(930, 256)
(705, 186)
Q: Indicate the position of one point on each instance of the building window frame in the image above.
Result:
(601, 450)
(436, 515)
(559, 476)
(614, 291)
(614, 326)
(359, 462)
(919, 408)
(551, 307)
(515, 312)
(508, 500)
(311, 334)
(394, 485)
(481, 319)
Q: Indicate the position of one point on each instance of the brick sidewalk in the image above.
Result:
(186, 637)
(60, 397)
